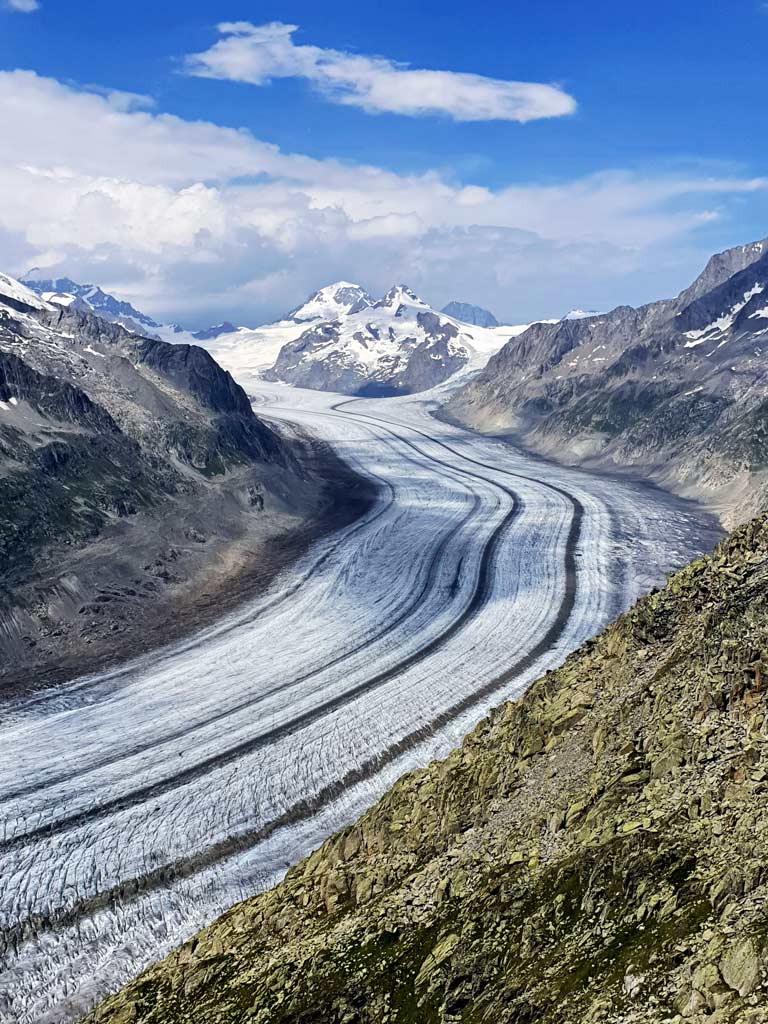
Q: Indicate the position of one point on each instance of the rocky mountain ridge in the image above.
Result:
(63, 291)
(591, 854)
(356, 343)
(91, 298)
(675, 390)
(132, 474)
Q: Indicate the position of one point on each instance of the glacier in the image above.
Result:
(139, 804)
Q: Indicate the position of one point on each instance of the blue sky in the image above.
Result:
(637, 146)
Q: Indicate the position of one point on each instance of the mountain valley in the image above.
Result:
(593, 852)
(361, 579)
(139, 493)
(676, 390)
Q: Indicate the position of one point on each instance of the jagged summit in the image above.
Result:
(400, 295)
(63, 291)
(91, 298)
(721, 266)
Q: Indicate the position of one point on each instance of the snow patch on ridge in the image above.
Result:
(13, 289)
(722, 323)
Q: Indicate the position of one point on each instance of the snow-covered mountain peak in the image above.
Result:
(15, 291)
(333, 301)
(397, 345)
(580, 314)
(63, 291)
(400, 295)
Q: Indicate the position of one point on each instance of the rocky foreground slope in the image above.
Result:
(676, 390)
(139, 493)
(595, 852)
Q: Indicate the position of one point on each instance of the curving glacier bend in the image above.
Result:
(138, 805)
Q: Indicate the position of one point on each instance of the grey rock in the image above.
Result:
(676, 390)
(469, 314)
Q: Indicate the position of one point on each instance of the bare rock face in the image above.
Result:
(594, 852)
(676, 390)
(720, 267)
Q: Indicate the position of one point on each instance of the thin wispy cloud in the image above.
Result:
(22, 6)
(258, 54)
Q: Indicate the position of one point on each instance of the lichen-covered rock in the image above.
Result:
(595, 852)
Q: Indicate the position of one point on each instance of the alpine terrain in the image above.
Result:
(139, 494)
(373, 648)
(676, 390)
(470, 314)
(396, 345)
(249, 352)
(63, 291)
(594, 852)
(143, 800)
(587, 853)
(340, 339)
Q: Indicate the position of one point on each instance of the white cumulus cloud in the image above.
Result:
(23, 6)
(260, 53)
(196, 222)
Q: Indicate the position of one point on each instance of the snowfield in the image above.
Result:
(139, 804)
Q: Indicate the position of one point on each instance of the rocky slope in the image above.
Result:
(594, 852)
(63, 291)
(138, 491)
(676, 390)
